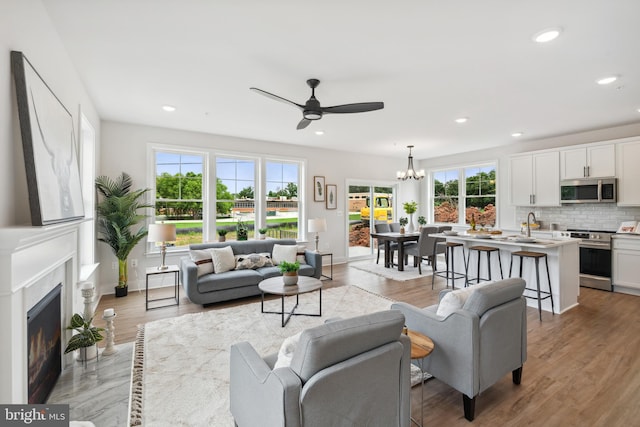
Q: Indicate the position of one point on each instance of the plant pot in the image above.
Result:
(222, 238)
(263, 236)
(401, 230)
(121, 291)
(290, 278)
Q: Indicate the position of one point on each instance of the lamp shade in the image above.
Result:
(317, 224)
(162, 233)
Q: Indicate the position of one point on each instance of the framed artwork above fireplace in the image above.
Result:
(48, 143)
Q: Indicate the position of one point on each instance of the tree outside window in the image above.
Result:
(481, 195)
(282, 202)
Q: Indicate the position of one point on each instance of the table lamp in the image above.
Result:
(317, 225)
(162, 233)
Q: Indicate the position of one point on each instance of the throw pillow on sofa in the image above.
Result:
(285, 354)
(282, 253)
(253, 261)
(300, 254)
(202, 259)
(223, 259)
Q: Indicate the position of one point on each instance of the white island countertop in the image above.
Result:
(514, 240)
(562, 257)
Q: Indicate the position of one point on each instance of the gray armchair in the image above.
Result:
(476, 345)
(343, 373)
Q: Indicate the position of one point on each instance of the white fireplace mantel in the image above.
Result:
(33, 260)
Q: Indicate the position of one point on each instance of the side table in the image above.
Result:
(176, 292)
(330, 255)
(421, 347)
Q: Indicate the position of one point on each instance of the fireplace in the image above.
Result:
(44, 346)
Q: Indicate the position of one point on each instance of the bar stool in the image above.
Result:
(536, 256)
(449, 248)
(487, 250)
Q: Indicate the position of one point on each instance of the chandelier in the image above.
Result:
(410, 172)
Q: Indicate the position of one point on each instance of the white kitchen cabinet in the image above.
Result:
(595, 161)
(628, 154)
(626, 263)
(535, 179)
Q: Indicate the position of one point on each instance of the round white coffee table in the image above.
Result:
(276, 286)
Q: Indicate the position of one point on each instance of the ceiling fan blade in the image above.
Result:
(303, 124)
(275, 97)
(361, 107)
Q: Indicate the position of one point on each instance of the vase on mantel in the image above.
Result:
(410, 227)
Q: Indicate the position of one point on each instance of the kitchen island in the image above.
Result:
(562, 255)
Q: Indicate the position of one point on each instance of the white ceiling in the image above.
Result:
(430, 62)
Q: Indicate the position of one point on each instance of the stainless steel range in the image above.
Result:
(595, 257)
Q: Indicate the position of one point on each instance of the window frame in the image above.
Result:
(462, 189)
(209, 173)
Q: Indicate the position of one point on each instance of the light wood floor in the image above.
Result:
(583, 367)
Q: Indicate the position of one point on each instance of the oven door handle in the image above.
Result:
(605, 247)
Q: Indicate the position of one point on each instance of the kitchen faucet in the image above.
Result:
(531, 214)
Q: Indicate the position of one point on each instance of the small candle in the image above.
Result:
(108, 312)
(86, 285)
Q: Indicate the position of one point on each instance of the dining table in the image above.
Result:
(400, 239)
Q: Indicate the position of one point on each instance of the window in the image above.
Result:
(445, 196)
(235, 203)
(481, 195)
(283, 212)
(185, 194)
(179, 194)
(455, 200)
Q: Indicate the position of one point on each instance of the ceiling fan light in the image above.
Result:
(312, 115)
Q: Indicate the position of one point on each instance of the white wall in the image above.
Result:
(25, 27)
(507, 214)
(124, 148)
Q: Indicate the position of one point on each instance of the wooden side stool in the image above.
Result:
(536, 256)
(449, 248)
(487, 250)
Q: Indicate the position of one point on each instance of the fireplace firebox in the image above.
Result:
(44, 346)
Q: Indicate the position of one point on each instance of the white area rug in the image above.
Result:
(410, 272)
(185, 378)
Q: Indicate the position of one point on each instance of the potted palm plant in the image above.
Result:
(222, 234)
(118, 216)
(263, 233)
(289, 272)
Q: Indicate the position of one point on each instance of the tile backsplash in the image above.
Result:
(593, 216)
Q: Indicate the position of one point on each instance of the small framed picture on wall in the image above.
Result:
(332, 196)
(318, 189)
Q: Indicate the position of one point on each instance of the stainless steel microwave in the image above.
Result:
(589, 190)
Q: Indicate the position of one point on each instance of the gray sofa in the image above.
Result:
(216, 287)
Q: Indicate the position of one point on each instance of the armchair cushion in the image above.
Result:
(286, 351)
(451, 301)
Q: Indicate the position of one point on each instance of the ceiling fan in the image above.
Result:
(311, 110)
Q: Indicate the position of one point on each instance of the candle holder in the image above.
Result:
(87, 353)
(87, 294)
(110, 349)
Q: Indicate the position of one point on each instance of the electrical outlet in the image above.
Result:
(114, 265)
(134, 262)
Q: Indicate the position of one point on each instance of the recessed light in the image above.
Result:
(169, 108)
(547, 35)
(607, 80)
(516, 134)
(462, 119)
(319, 132)
(638, 110)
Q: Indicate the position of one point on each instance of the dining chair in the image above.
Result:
(383, 227)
